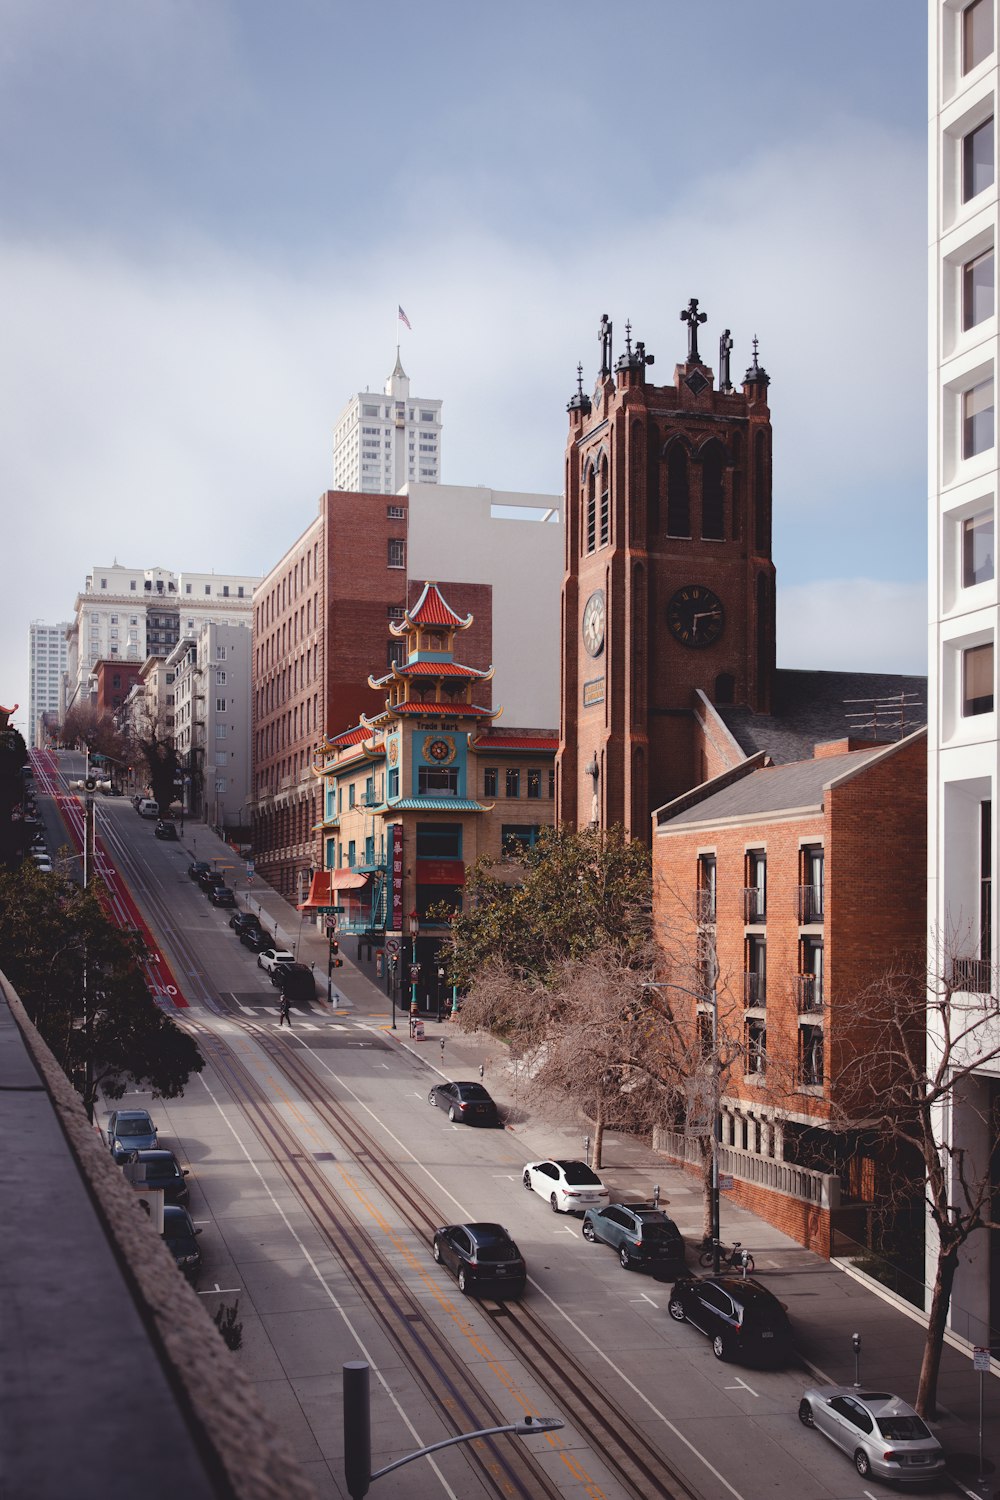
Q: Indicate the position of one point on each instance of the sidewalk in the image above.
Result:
(826, 1303)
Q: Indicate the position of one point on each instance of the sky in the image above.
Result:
(211, 210)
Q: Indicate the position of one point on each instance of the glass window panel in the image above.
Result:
(977, 160)
(977, 549)
(978, 295)
(977, 680)
(977, 419)
(977, 33)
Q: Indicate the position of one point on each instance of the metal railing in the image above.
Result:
(754, 904)
(809, 992)
(704, 904)
(809, 903)
(974, 976)
(754, 988)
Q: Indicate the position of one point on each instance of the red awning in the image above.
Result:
(319, 892)
(348, 879)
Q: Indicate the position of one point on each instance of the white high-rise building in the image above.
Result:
(47, 655)
(385, 440)
(964, 616)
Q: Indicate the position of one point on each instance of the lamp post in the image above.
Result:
(414, 921)
(440, 984)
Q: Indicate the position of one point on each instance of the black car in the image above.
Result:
(738, 1314)
(179, 1233)
(643, 1235)
(197, 868)
(161, 1170)
(221, 895)
(256, 939)
(295, 981)
(208, 878)
(165, 830)
(482, 1256)
(244, 921)
(468, 1103)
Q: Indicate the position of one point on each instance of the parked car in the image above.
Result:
(482, 1256)
(295, 981)
(567, 1186)
(160, 1169)
(165, 829)
(179, 1232)
(147, 808)
(42, 862)
(197, 868)
(468, 1103)
(256, 939)
(208, 878)
(883, 1435)
(130, 1130)
(244, 921)
(643, 1236)
(737, 1313)
(268, 957)
(221, 895)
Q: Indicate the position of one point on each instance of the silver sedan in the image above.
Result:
(883, 1435)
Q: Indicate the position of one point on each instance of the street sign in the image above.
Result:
(981, 1360)
(392, 945)
(338, 910)
(251, 869)
(725, 1182)
(414, 972)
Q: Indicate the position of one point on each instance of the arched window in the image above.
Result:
(761, 497)
(590, 509)
(605, 504)
(713, 500)
(678, 499)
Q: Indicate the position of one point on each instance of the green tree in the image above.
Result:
(81, 982)
(13, 755)
(569, 894)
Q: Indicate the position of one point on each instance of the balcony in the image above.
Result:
(754, 904)
(754, 989)
(809, 903)
(704, 904)
(808, 993)
(974, 976)
(370, 799)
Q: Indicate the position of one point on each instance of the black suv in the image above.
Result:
(295, 981)
(642, 1235)
(244, 921)
(209, 878)
(738, 1314)
(165, 830)
(256, 939)
(197, 868)
(480, 1255)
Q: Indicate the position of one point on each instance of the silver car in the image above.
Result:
(883, 1435)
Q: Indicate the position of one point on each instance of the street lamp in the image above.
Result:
(440, 983)
(414, 921)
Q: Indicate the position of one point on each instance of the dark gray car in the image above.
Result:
(643, 1235)
(130, 1130)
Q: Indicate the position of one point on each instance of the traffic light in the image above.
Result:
(335, 962)
(334, 946)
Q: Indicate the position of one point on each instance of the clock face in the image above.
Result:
(593, 623)
(695, 616)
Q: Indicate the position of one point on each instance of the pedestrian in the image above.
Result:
(285, 1018)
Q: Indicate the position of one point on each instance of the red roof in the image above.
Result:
(444, 710)
(515, 742)
(432, 608)
(348, 737)
(438, 669)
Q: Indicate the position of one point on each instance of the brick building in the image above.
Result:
(113, 681)
(421, 789)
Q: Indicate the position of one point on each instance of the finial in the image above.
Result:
(628, 340)
(756, 373)
(579, 379)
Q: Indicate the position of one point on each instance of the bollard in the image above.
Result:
(357, 1429)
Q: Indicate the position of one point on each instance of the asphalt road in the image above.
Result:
(729, 1432)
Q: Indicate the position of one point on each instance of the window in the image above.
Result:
(208, 588)
(811, 1056)
(977, 160)
(491, 781)
(220, 731)
(397, 552)
(396, 612)
(705, 891)
(755, 891)
(220, 678)
(513, 782)
(810, 892)
(395, 654)
(978, 295)
(351, 852)
(221, 757)
(220, 783)
(187, 588)
(220, 653)
(437, 781)
(810, 977)
(439, 841)
(755, 974)
(350, 795)
(393, 782)
(590, 490)
(605, 505)
(395, 513)
(534, 783)
(515, 836)
(977, 549)
(977, 418)
(755, 1043)
(678, 502)
(977, 680)
(977, 33)
(220, 705)
(427, 416)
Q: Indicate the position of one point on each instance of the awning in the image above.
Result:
(348, 879)
(326, 882)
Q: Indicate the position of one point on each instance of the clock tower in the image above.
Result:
(669, 583)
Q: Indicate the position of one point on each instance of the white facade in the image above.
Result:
(47, 658)
(386, 439)
(964, 618)
(212, 712)
(514, 542)
(132, 613)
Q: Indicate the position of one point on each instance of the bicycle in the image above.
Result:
(736, 1259)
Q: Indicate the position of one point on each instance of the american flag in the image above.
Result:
(404, 319)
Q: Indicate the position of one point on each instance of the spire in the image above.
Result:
(756, 375)
(398, 384)
(579, 401)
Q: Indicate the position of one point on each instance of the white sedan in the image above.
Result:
(567, 1186)
(270, 958)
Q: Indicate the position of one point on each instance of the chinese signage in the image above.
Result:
(396, 874)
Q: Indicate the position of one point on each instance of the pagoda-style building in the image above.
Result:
(415, 794)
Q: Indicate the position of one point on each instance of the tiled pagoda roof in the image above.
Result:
(432, 608)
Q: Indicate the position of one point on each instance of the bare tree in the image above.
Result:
(86, 724)
(908, 1074)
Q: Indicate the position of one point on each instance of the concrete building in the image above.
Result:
(212, 711)
(130, 613)
(964, 618)
(384, 440)
(47, 657)
(322, 624)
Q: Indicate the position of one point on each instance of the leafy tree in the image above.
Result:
(569, 894)
(13, 755)
(81, 982)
